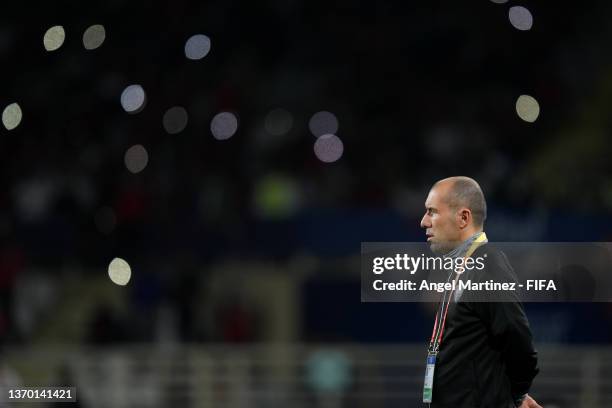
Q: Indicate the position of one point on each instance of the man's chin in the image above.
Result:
(440, 248)
(434, 247)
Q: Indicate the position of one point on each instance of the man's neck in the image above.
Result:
(462, 248)
(469, 234)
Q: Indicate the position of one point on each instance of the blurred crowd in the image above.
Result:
(420, 91)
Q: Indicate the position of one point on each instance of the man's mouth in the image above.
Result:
(429, 237)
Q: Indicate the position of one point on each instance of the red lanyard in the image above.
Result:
(438, 329)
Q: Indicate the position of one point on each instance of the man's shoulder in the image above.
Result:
(497, 269)
(491, 252)
(495, 261)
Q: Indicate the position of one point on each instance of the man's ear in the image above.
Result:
(465, 217)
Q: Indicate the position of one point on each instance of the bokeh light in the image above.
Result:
(328, 148)
(119, 271)
(197, 47)
(133, 99)
(323, 123)
(520, 18)
(328, 371)
(136, 158)
(499, 1)
(94, 36)
(527, 108)
(278, 122)
(54, 38)
(224, 125)
(175, 120)
(11, 116)
(276, 196)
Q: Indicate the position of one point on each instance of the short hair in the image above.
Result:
(465, 192)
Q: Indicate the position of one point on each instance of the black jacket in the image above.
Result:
(486, 357)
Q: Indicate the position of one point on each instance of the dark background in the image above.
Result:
(421, 91)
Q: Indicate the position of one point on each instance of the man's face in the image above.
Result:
(441, 223)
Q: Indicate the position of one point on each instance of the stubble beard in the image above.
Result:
(441, 248)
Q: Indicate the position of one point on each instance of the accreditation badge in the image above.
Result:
(429, 376)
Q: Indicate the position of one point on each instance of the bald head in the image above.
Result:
(464, 192)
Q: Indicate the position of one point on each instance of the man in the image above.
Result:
(483, 354)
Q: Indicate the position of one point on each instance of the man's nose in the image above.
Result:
(425, 222)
